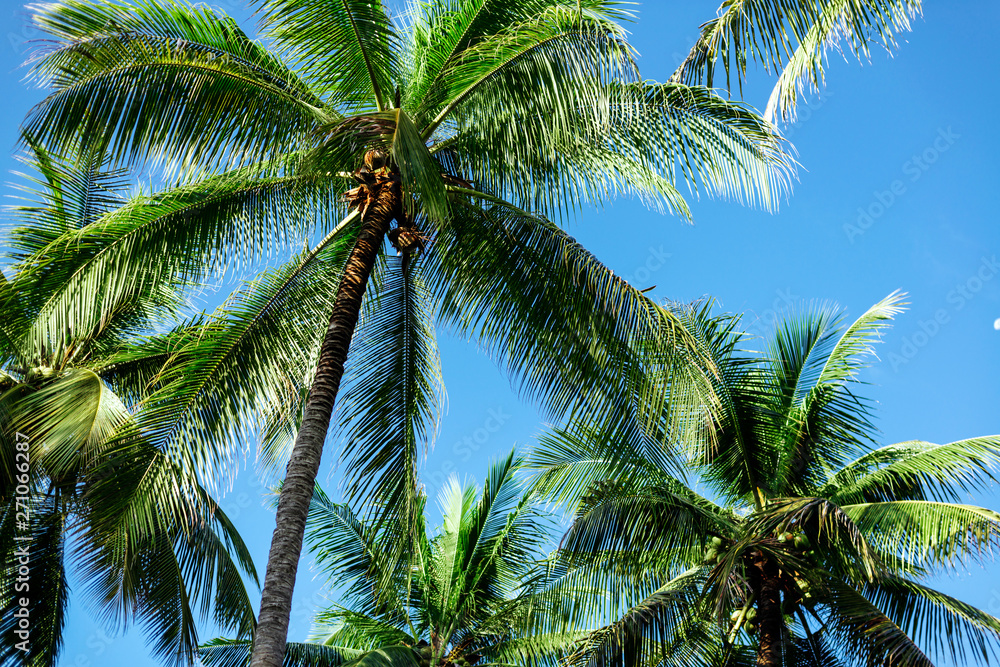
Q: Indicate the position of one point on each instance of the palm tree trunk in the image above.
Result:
(769, 618)
(300, 476)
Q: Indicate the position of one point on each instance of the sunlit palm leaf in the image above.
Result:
(168, 76)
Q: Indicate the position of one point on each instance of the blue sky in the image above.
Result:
(898, 190)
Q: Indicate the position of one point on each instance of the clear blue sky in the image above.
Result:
(898, 190)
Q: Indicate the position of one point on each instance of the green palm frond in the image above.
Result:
(41, 551)
(355, 633)
(638, 138)
(420, 173)
(236, 653)
(443, 35)
(813, 650)
(848, 356)
(258, 347)
(813, 365)
(564, 326)
(70, 417)
(153, 549)
(394, 393)
(929, 534)
(62, 192)
(168, 239)
(728, 448)
(169, 76)
(355, 555)
(937, 621)
(642, 521)
(540, 649)
(569, 459)
(918, 470)
(790, 37)
(386, 656)
(694, 135)
(858, 24)
(646, 632)
(507, 532)
(859, 628)
(346, 49)
(554, 48)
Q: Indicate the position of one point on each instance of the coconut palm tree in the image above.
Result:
(80, 492)
(469, 593)
(464, 129)
(461, 129)
(811, 543)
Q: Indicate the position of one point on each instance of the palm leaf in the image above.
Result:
(859, 628)
(257, 348)
(236, 653)
(937, 621)
(929, 534)
(918, 471)
(345, 48)
(42, 582)
(790, 37)
(169, 77)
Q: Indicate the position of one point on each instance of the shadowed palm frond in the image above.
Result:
(394, 393)
(857, 627)
(41, 552)
(937, 621)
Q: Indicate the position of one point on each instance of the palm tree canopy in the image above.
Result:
(147, 543)
(473, 591)
(849, 532)
(265, 141)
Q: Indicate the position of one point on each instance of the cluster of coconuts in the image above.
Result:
(39, 374)
(804, 586)
(424, 652)
(713, 548)
(798, 540)
(751, 616)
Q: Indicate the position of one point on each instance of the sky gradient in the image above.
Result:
(897, 190)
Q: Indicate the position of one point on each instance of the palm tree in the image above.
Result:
(78, 487)
(469, 593)
(469, 125)
(454, 125)
(812, 544)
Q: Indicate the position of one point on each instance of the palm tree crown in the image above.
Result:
(467, 594)
(103, 503)
(463, 129)
(817, 546)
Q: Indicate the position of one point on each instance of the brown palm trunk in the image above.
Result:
(303, 466)
(769, 619)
